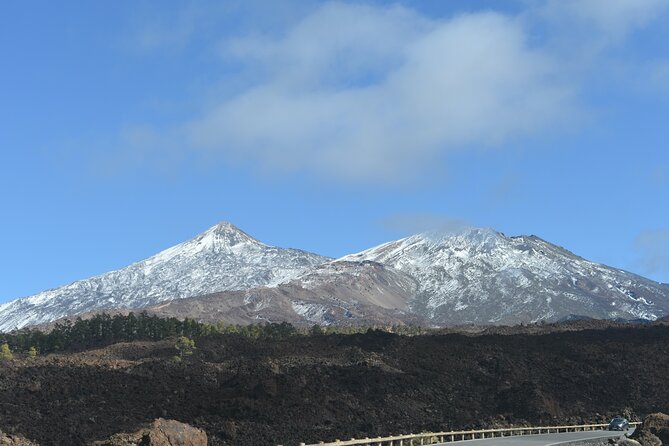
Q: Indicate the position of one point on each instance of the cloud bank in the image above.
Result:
(365, 93)
(362, 93)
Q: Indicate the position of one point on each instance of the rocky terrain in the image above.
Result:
(654, 431)
(339, 293)
(245, 391)
(160, 432)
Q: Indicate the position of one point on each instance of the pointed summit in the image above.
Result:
(224, 226)
(226, 235)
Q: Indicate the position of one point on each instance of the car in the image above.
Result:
(619, 424)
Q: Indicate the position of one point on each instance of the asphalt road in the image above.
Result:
(539, 440)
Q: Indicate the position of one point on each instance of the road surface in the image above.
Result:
(539, 440)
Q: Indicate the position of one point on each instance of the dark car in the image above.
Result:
(619, 424)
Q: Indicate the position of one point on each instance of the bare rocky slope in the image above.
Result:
(339, 293)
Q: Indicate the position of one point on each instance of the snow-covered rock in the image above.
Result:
(482, 276)
(221, 258)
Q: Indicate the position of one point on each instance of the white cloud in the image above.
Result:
(365, 93)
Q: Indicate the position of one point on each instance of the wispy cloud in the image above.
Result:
(653, 247)
(602, 20)
(408, 224)
(201, 22)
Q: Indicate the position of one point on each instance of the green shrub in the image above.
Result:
(32, 353)
(185, 346)
(5, 352)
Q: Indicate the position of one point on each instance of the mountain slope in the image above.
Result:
(482, 276)
(221, 258)
(339, 293)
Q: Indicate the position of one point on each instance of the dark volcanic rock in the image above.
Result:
(249, 392)
(654, 431)
(161, 433)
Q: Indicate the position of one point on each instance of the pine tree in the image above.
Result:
(32, 353)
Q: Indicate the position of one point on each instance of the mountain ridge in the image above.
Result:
(476, 265)
(221, 258)
(473, 276)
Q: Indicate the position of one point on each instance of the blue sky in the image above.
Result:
(128, 127)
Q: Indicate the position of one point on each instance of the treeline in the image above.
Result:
(103, 329)
(99, 330)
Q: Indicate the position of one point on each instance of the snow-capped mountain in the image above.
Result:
(482, 276)
(222, 258)
(476, 276)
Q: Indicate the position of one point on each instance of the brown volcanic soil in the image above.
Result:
(267, 392)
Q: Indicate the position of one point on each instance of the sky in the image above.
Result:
(127, 127)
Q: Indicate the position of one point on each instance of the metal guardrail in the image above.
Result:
(445, 437)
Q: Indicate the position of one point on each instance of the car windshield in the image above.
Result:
(618, 420)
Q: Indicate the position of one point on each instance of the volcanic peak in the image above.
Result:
(225, 235)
